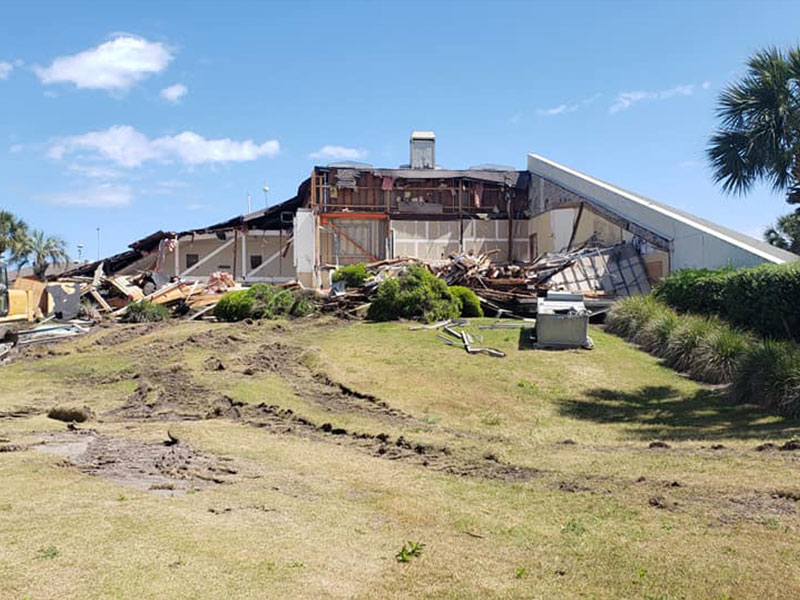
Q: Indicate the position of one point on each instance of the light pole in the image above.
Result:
(266, 196)
(80, 252)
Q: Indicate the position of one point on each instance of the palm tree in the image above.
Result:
(13, 232)
(759, 136)
(785, 233)
(43, 251)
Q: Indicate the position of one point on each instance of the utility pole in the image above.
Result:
(249, 205)
(266, 195)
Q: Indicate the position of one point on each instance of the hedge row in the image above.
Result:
(766, 373)
(764, 299)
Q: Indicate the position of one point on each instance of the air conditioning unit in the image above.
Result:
(562, 321)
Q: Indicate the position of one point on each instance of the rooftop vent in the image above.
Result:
(423, 150)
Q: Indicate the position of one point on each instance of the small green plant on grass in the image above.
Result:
(520, 573)
(409, 551)
(492, 420)
(574, 526)
(48, 553)
(352, 275)
(145, 312)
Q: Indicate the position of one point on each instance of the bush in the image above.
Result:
(145, 312)
(763, 298)
(629, 315)
(654, 335)
(415, 294)
(234, 306)
(353, 275)
(717, 356)
(468, 301)
(264, 302)
(694, 290)
(768, 374)
(686, 338)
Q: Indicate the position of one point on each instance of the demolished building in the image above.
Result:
(347, 213)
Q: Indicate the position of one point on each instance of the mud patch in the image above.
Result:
(149, 466)
(286, 360)
(122, 334)
(165, 395)
(437, 458)
(20, 413)
(12, 448)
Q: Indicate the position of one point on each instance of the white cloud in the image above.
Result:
(592, 98)
(174, 92)
(625, 100)
(705, 85)
(558, 110)
(5, 69)
(339, 153)
(16, 148)
(105, 195)
(95, 171)
(113, 65)
(123, 145)
(172, 184)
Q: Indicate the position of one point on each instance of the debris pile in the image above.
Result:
(600, 274)
(113, 294)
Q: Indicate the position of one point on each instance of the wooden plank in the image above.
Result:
(99, 299)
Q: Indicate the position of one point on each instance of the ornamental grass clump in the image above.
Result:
(768, 374)
(628, 315)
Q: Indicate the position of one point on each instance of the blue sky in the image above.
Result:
(139, 116)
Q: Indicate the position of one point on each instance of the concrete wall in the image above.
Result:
(436, 240)
(695, 242)
(215, 254)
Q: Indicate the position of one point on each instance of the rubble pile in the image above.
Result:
(600, 274)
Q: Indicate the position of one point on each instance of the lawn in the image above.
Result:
(311, 451)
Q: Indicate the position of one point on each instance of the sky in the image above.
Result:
(137, 116)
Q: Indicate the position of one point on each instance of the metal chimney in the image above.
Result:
(423, 150)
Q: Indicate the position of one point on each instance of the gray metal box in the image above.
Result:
(562, 321)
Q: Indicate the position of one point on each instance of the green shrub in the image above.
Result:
(717, 356)
(264, 302)
(686, 338)
(415, 294)
(762, 299)
(270, 301)
(353, 275)
(628, 315)
(655, 334)
(694, 290)
(768, 374)
(468, 301)
(145, 312)
(234, 306)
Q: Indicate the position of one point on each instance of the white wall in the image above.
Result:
(305, 246)
(694, 244)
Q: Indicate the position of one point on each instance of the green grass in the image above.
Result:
(335, 517)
